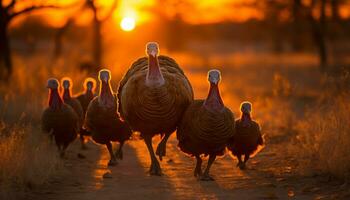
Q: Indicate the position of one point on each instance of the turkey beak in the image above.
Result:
(215, 81)
(153, 53)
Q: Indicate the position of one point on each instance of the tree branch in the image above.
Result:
(110, 13)
(32, 8)
(11, 5)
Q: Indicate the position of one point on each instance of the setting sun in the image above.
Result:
(127, 23)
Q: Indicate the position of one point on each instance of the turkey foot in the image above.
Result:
(155, 169)
(161, 148)
(206, 176)
(113, 160)
(119, 152)
(242, 166)
(239, 157)
(198, 168)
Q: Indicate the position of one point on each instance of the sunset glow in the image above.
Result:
(127, 24)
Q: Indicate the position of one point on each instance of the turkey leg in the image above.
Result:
(239, 157)
(119, 152)
(198, 169)
(155, 167)
(246, 158)
(161, 148)
(206, 176)
(63, 150)
(113, 160)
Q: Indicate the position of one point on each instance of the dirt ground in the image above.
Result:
(270, 175)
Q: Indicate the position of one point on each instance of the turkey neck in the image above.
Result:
(89, 94)
(106, 96)
(246, 118)
(154, 75)
(66, 94)
(214, 101)
(55, 100)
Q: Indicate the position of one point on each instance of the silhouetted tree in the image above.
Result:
(97, 24)
(7, 14)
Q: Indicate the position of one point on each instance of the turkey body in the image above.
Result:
(154, 109)
(105, 124)
(203, 132)
(84, 100)
(103, 121)
(63, 123)
(246, 140)
(206, 127)
(59, 119)
(75, 104)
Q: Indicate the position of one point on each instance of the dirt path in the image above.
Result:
(269, 176)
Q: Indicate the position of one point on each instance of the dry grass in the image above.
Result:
(28, 159)
(323, 140)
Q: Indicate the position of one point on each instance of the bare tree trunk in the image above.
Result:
(297, 7)
(97, 43)
(5, 53)
(319, 33)
(58, 38)
(335, 10)
(322, 37)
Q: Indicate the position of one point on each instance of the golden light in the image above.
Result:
(127, 24)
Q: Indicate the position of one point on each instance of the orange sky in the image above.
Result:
(192, 11)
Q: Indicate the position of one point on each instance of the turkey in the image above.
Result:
(67, 85)
(88, 94)
(59, 119)
(248, 138)
(153, 95)
(103, 121)
(206, 127)
(84, 98)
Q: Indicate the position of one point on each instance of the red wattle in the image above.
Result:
(106, 95)
(214, 100)
(66, 94)
(246, 118)
(55, 100)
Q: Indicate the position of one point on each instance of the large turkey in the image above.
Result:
(153, 95)
(59, 119)
(206, 127)
(248, 138)
(103, 121)
(67, 85)
(84, 98)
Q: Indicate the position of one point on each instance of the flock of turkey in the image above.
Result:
(154, 97)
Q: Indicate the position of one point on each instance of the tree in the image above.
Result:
(7, 14)
(97, 24)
